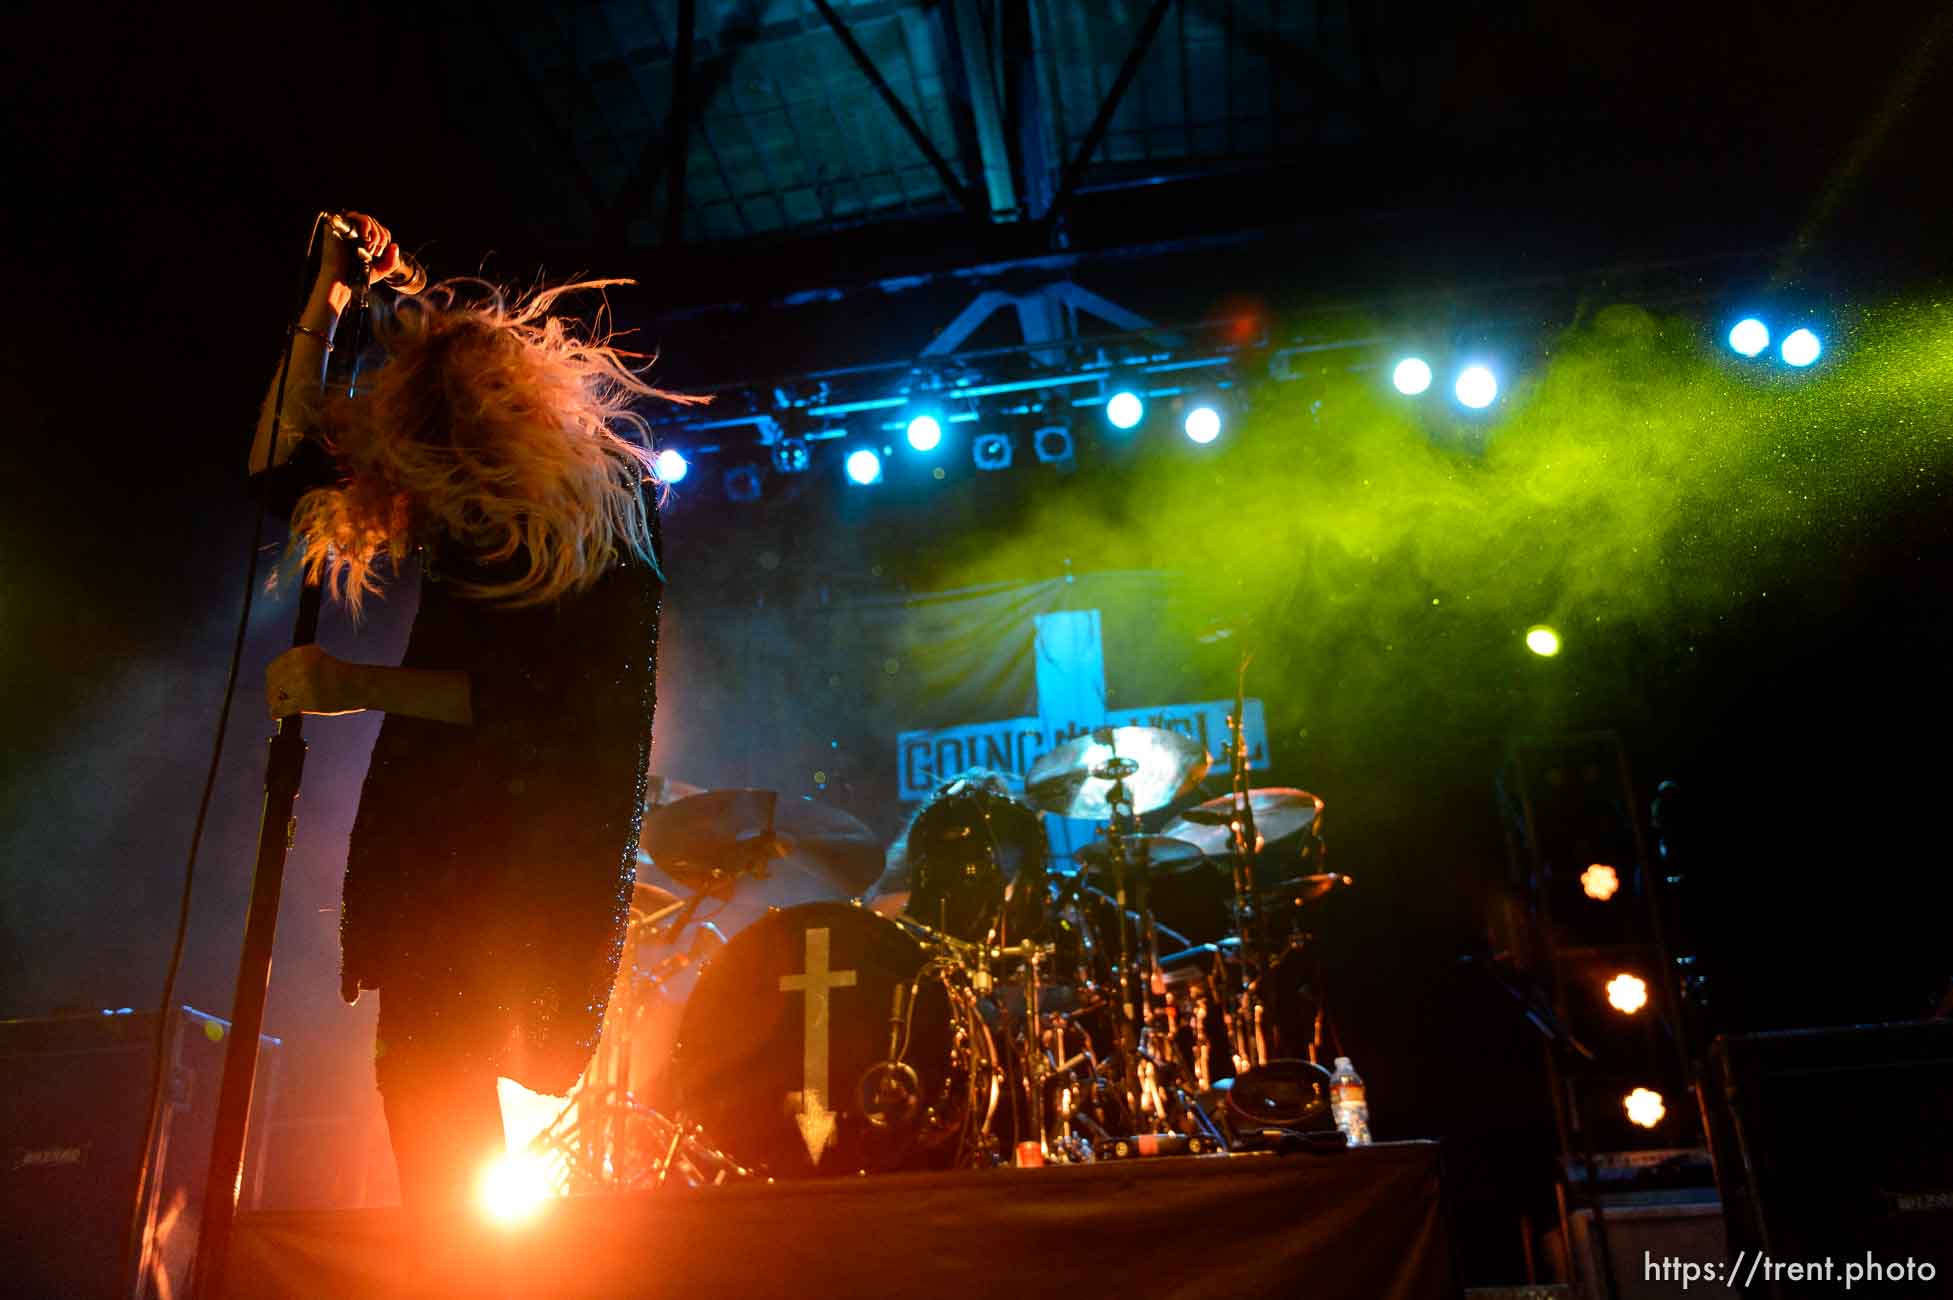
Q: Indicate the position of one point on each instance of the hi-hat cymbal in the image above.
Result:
(1156, 855)
(1278, 812)
(1304, 890)
(756, 842)
(1157, 766)
(648, 899)
(662, 790)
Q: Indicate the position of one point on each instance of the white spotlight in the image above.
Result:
(1203, 424)
(1412, 376)
(1749, 337)
(864, 466)
(1477, 387)
(925, 433)
(1125, 410)
(670, 466)
(1800, 348)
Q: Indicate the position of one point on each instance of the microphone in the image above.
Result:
(409, 278)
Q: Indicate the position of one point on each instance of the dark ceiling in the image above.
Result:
(775, 153)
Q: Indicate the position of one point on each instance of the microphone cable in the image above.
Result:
(146, 1171)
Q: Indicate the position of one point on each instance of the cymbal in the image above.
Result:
(1158, 855)
(648, 899)
(1074, 779)
(1304, 890)
(1279, 813)
(755, 841)
(662, 790)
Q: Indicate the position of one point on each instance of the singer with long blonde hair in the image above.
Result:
(501, 452)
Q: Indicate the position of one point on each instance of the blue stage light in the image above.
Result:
(864, 466)
(991, 451)
(670, 467)
(1412, 376)
(1800, 348)
(1749, 336)
(925, 433)
(1477, 387)
(1125, 410)
(1203, 424)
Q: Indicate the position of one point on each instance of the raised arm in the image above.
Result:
(340, 268)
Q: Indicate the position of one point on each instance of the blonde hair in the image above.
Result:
(497, 425)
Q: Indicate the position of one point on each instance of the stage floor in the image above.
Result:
(1365, 1224)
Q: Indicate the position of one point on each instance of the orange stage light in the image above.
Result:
(1600, 881)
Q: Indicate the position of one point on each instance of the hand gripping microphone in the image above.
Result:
(410, 277)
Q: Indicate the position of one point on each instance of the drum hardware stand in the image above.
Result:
(1248, 1037)
(1124, 822)
(599, 1150)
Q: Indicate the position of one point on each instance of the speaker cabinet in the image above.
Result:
(1836, 1144)
(76, 1092)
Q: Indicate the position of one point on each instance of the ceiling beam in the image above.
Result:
(694, 85)
(563, 146)
(1095, 134)
(678, 124)
(964, 23)
(951, 182)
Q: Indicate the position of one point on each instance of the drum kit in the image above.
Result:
(769, 1020)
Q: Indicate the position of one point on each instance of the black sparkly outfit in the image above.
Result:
(489, 874)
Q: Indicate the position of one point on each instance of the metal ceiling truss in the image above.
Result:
(763, 116)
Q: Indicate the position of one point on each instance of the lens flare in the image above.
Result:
(1749, 337)
(1203, 424)
(1627, 994)
(1412, 376)
(1800, 348)
(670, 467)
(1543, 641)
(1644, 1107)
(1477, 387)
(925, 433)
(864, 466)
(1600, 882)
(1125, 410)
(514, 1188)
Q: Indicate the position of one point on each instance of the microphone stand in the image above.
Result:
(277, 827)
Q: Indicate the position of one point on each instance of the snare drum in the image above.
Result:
(825, 1040)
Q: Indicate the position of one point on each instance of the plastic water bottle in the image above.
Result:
(1347, 1104)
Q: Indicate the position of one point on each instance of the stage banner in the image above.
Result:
(873, 702)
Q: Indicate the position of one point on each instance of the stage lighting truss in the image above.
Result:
(991, 451)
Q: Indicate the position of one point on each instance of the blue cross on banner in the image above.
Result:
(1070, 664)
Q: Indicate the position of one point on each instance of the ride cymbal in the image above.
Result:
(727, 841)
(1076, 779)
(1279, 812)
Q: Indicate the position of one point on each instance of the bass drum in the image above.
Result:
(824, 1040)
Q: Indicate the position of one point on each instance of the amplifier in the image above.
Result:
(1836, 1144)
(71, 1134)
